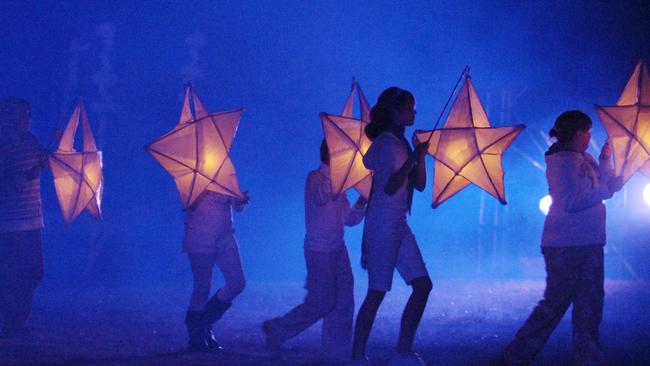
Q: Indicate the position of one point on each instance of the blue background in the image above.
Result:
(285, 62)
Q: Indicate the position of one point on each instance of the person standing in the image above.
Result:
(572, 244)
(21, 217)
(388, 241)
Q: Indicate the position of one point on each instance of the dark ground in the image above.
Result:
(466, 323)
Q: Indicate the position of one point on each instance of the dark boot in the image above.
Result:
(210, 342)
(212, 312)
(214, 309)
(195, 332)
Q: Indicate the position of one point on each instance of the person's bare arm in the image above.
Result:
(415, 160)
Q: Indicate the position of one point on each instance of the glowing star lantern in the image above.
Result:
(78, 178)
(467, 150)
(196, 151)
(347, 144)
(628, 125)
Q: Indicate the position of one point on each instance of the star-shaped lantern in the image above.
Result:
(628, 125)
(467, 150)
(196, 151)
(78, 178)
(347, 144)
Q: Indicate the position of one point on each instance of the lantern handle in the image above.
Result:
(55, 138)
(463, 75)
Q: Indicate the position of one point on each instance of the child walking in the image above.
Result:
(388, 241)
(572, 244)
(330, 283)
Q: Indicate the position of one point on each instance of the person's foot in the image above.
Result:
(360, 361)
(271, 342)
(406, 359)
(498, 362)
(197, 345)
(211, 343)
(334, 358)
(196, 333)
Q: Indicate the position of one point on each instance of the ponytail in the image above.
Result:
(384, 112)
(567, 124)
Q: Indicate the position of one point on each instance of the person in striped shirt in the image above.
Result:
(21, 218)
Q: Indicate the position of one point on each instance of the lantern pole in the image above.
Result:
(453, 92)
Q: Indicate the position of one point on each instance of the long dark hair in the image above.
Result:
(388, 105)
(567, 124)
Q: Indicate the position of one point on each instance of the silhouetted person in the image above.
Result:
(572, 244)
(209, 240)
(330, 283)
(388, 242)
(21, 218)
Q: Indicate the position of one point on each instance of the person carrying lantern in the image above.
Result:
(388, 241)
(330, 283)
(22, 158)
(572, 244)
(208, 241)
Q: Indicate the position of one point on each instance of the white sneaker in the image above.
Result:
(406, 359)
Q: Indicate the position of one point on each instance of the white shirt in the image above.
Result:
(577, 185)
(386, 155)
(325, 218)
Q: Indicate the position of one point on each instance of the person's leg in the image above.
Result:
(337, 324)
(228, 261)
(319, 301)
(382, 241)
(7, 278)
(588, 308)
(412, 268)
(561, 279)
(413, 313)
(365, 319)
(21, 270)
(201, 265)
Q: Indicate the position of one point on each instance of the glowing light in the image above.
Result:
(646, 193)
(196, 151)
(545, 204)
(467, 149)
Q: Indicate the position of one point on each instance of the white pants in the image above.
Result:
(229, 263)
(330, 297)
(391, 245)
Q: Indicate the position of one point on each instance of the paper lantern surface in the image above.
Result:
(78, 178)
(628, 125)
(347, 144)
(467, 150)
(196, 151)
